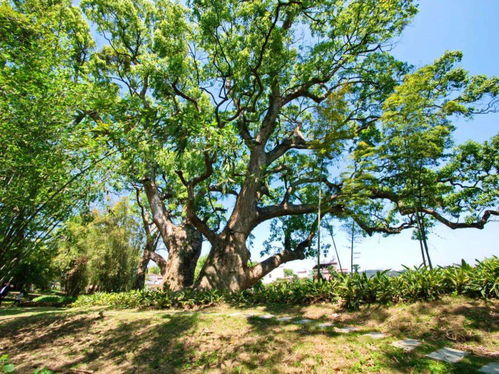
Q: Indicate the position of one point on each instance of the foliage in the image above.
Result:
(353, 290)
(36, 268)
(101, 250)
(289, 273)
(227, 106)
(154, 270)
(45, 165)
(411, 161)
(5, 367)
(53, 300)
(199, 266)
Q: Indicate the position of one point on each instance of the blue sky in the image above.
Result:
(472, 27)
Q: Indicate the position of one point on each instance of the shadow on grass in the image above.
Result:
(155, 348)
(185, 342)
(11, 311)
(271, 307)
(133, 346)
(416, 361)
(480, 317)
(377, 313)
(39, 330)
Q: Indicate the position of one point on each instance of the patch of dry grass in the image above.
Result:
(211, 341)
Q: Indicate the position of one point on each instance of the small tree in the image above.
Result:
(101, 251)
(154, 270)
(289, 273)
(355, 235)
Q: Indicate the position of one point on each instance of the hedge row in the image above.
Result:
(480, 281)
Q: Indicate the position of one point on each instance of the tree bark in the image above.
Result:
(140, 279)
(184, 248)
(183, 243)
(227, 266)
(148, 255)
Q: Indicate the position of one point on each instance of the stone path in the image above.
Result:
(407, 344)
(492, 368)
(376, 335)
(325, 324)
(303, 321)
(266, 316)
(448, 355)
(445, 354)
(345, 330)
(284, 319)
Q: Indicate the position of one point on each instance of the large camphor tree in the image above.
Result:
(225, 111)
(138, 61)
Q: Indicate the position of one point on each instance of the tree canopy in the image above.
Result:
(46, 170)
(230, 114)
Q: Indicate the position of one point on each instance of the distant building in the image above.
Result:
(154, 281)
(303, 274)
(278, 273)
(326, 269)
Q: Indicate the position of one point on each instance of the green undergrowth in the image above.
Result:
(53, 299)
(351, 290)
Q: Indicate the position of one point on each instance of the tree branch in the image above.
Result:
(263, 268)
(480, 224)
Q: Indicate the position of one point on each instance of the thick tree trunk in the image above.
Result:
(148, 255)
(183, 242)
(184, 249)
(141, 271)
(227, 268)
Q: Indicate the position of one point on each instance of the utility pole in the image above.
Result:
(331, 232)
(319, 275)
(351, 246)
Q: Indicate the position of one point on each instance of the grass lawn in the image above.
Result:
(214, 341)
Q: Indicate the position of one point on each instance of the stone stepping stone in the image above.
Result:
(234, 314)
(492, 368)
(325, 324)
(266, 316)
(448, 355)
(303, 321)
(283, 319)
(346, 330)
(376, 335)
(407, 344)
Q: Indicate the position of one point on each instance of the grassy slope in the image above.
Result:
(129, 341)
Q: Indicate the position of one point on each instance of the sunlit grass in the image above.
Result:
(152, 341)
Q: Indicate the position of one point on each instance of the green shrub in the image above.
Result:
(353, 290)
(53, 299)
(5, 366)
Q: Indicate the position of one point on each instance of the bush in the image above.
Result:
(5, 366)
(353, 290)
(53, 300)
